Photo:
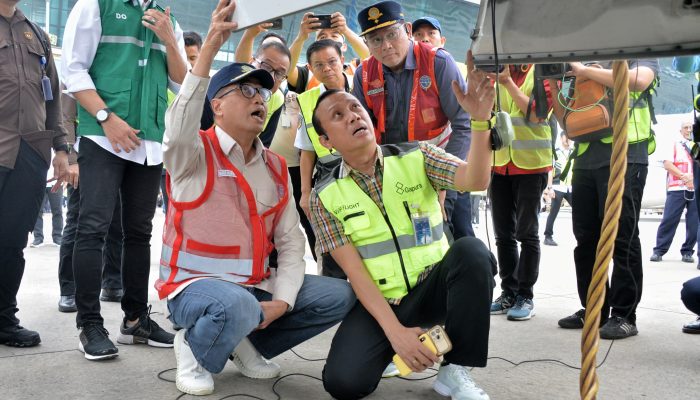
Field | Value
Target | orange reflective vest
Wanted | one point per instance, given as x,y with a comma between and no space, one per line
220,234
426,120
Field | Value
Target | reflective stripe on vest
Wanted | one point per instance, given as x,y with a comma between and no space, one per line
130,40
426,119
384,237
307,104
532,144
388,246
221,234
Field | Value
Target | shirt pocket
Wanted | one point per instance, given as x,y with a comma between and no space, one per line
265,199
8,66
33,53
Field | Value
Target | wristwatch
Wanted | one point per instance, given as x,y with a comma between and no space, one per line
102,115
64,147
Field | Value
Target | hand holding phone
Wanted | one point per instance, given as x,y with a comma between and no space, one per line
324,21
435,340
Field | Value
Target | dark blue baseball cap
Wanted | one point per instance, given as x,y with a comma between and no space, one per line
235,73
433,22
379,15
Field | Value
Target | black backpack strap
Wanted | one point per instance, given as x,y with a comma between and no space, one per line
42,38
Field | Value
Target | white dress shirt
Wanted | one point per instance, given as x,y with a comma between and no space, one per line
81,37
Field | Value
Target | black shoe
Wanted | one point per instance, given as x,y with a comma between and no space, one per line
67,304
146,331
573,321
692,327
687,258
618,328
655,257
548,241
17,336
95,343
113,295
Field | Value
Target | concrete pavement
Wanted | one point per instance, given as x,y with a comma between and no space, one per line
660,363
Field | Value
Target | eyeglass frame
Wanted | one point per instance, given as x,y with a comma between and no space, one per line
275,74
395,28
257,90
332,63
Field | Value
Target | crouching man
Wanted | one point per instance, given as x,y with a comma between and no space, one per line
229,207
379,216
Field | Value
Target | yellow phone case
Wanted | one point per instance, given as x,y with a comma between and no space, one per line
402,367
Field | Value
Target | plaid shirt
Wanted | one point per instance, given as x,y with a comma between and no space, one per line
440,167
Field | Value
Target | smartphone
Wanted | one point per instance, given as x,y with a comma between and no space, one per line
435,339
325,20
276,24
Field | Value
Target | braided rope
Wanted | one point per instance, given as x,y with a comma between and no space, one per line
588,381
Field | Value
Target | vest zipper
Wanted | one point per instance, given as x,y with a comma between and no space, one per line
398,250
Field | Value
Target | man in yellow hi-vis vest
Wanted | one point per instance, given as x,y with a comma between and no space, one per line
379,216
590,181
520,177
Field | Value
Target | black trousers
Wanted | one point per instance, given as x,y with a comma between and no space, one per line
21,195
457,293
515,205
461,215
111,252
554,211
590,187
103,176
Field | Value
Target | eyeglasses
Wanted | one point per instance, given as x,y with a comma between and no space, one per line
278,75
331,64
392,35
249,91
688,127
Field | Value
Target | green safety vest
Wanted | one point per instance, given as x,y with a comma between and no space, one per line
532,143
275,103
384,238
130,71
638,124
307,104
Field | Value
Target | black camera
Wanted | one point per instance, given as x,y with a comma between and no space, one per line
551,71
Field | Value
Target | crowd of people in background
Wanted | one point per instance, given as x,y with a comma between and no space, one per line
370,162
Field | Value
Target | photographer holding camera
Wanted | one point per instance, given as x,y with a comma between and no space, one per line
592,170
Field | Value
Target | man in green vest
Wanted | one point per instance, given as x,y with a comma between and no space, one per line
378,215
520,177
325,60
591,171
119,57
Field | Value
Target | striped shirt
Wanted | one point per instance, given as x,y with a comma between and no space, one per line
440,167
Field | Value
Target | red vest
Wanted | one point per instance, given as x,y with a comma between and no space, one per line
220,234
684,162
426,120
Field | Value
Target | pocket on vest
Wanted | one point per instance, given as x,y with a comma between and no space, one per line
116,93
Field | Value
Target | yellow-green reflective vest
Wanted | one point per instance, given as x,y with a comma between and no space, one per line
276,101
385,238
532,144
638,124
307,103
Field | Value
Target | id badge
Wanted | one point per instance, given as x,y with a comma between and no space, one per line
421,229
46,88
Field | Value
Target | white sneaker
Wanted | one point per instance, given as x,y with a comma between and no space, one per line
191,378
456,381
390,371
252,364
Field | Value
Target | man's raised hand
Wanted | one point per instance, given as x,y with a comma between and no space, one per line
479,98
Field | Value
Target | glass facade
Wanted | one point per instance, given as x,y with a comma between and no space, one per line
456,16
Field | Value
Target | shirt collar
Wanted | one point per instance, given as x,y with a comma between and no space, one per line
229,145
140,3
346,169
347,85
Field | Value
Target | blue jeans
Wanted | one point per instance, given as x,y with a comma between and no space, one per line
219,314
